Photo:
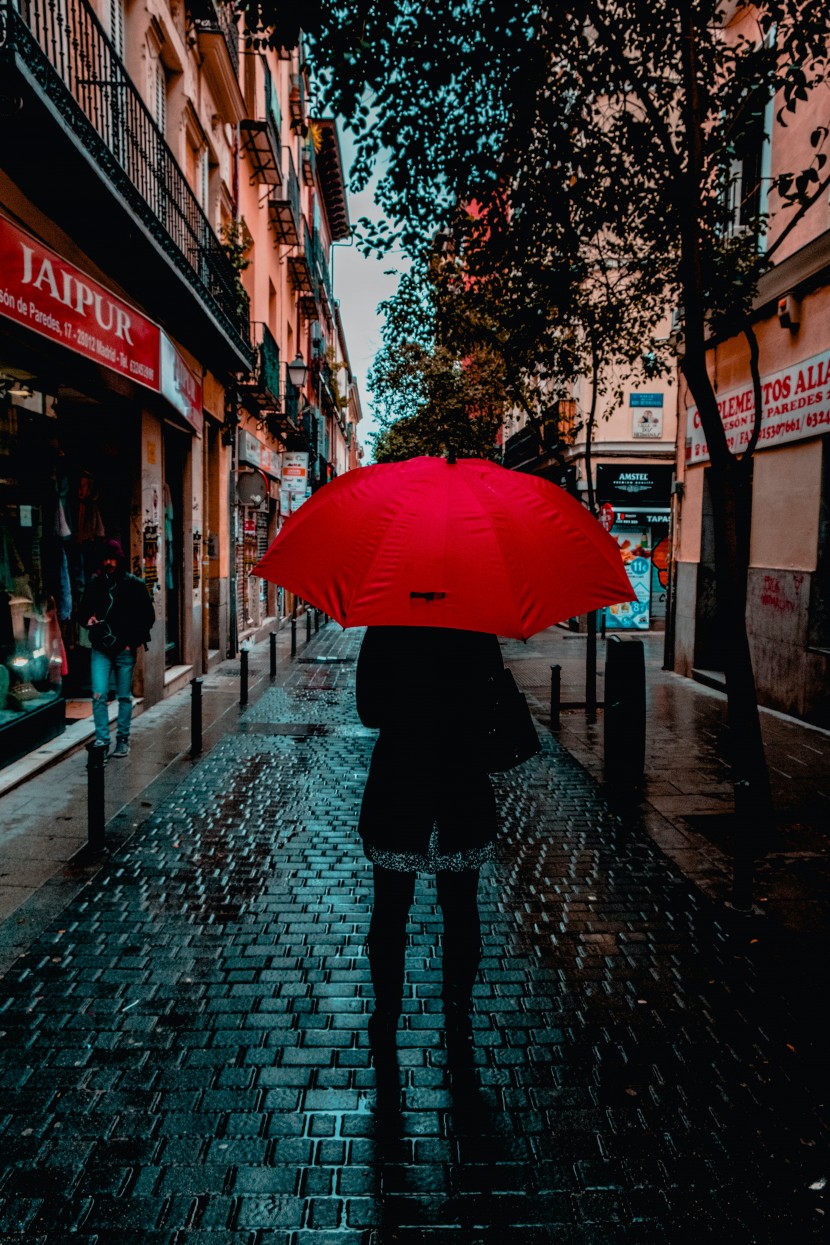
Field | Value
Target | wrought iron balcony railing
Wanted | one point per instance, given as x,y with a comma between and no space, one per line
284,207
74,64
301,272
261,389
310,426
322,263
215,17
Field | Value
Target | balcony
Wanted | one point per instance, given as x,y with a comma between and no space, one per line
309,427
260,391
216,26
309,161
84,110
302,277
284,208
521,449
321,264
260,138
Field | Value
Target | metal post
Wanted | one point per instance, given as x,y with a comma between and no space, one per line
624,725
555,697
96,810
243,676
603,614
293,637
747,825
307,625
316,621
272,639
195,717
591,669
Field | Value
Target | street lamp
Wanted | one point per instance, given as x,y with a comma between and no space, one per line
298,371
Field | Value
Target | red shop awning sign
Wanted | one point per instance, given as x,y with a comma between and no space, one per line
52,297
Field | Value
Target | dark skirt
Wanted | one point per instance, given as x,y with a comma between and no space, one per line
415,785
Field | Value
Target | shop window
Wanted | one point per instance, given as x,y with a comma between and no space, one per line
818,631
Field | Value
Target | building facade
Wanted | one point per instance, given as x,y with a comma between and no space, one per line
788,606
630,463
166,214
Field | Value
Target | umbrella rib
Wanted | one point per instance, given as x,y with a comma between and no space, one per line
486,515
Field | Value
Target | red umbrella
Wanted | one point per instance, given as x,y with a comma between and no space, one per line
432,543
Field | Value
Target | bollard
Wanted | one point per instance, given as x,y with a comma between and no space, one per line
243,676
272,639
316,621
555,697
307,625
591,669
96,811
293,637
195,717
625,711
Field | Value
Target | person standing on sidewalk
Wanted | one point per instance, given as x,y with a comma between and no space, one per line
427,805
118,612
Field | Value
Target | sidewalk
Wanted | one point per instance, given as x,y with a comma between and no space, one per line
687,797
183,1053
43,819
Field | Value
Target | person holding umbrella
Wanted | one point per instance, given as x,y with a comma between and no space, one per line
437,558
428,804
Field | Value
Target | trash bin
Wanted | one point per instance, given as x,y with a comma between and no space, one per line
624,726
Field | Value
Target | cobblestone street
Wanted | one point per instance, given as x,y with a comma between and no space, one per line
184,1051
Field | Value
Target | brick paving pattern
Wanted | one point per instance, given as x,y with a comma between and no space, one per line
183,1055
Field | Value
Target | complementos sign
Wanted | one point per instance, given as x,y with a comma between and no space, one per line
796,405
51,297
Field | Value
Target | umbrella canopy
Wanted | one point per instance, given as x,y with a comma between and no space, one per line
432,543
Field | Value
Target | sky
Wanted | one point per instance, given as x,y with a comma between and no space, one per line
360,284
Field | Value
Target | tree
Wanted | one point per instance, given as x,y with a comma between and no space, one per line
432,397
612,127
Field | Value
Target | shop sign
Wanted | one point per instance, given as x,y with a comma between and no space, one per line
634,484
295,471
180,386
248,448
796,405
52,297
640,517
269,461
635,549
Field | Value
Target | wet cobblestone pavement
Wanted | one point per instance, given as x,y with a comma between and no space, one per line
183,1056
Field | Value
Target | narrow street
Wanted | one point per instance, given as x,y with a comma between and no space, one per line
184,1052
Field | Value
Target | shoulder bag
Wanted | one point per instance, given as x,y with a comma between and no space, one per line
509,734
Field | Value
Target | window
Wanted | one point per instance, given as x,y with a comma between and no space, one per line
204,180
160,97
117,26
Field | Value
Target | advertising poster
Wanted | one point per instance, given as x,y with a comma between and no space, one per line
636,555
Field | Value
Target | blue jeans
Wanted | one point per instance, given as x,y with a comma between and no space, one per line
121,665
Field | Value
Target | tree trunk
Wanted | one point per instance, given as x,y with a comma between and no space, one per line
729,480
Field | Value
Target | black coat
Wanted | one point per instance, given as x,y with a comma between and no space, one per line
424,688
122,600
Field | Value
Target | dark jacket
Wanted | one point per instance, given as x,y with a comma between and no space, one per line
124,604
424,688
